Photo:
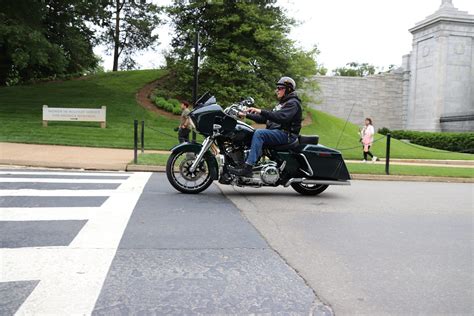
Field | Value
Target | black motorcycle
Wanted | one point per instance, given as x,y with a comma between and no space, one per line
304,164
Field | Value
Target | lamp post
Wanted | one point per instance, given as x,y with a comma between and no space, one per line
196,74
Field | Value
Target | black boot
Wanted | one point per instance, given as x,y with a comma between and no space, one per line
243,171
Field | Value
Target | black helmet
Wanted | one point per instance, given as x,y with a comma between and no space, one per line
288,83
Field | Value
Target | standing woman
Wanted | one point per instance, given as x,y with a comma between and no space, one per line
367,138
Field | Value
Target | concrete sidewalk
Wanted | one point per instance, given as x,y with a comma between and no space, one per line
65,156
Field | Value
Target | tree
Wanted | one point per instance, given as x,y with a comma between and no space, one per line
45,38
354,69
245,48
128,27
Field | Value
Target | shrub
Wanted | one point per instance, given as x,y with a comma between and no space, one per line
175,102
383,131
460,142
170,105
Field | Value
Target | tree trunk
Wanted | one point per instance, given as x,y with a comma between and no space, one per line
5,65
117,34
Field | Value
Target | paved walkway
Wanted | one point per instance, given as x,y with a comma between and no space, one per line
64,156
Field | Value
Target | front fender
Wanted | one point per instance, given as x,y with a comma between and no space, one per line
196,148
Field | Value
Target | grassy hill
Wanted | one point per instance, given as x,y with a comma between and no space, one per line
21,117
329,129
21,112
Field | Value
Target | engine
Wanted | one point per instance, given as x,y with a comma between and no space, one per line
267,173
270,174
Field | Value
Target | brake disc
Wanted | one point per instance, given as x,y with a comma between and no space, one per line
188,175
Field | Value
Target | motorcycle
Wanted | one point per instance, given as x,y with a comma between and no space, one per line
304,164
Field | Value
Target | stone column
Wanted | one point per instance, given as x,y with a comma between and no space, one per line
442,84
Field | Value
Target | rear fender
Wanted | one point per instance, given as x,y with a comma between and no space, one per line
196,148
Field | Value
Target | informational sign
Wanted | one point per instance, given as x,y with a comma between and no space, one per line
74,114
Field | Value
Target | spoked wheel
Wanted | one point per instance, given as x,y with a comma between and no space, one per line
309,189
182,179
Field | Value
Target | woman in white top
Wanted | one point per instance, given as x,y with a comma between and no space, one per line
367,138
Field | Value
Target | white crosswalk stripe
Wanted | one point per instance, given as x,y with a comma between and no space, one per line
39,180
70,276
46,213
55,173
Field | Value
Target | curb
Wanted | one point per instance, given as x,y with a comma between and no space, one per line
382,177
149,168
372,177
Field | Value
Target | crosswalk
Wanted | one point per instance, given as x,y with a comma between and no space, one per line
60,231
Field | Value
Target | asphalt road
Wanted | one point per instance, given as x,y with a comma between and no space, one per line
374,248
127,243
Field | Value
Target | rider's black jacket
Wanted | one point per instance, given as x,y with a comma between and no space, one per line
286,116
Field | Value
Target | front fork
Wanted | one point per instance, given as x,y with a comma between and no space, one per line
205,147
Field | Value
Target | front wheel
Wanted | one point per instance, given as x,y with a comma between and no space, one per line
182,179
309,189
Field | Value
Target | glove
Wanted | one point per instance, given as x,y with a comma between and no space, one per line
176,129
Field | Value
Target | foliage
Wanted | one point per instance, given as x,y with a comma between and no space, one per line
128,27
170,105
383,131
244,49
460,142
46,38
354,69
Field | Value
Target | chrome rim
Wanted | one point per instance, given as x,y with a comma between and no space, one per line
186,179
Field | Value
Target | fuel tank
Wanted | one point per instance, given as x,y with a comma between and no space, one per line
242,133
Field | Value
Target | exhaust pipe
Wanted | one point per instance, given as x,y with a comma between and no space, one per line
309,181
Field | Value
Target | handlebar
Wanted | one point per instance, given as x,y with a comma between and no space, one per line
234,109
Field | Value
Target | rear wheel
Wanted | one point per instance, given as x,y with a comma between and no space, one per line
309,189
182,179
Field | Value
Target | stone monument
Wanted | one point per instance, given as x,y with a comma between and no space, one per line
440,67
433,90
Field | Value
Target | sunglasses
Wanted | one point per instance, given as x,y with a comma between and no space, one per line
281,88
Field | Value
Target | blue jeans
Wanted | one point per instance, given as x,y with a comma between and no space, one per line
269,137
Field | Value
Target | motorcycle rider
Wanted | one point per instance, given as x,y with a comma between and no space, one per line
283,124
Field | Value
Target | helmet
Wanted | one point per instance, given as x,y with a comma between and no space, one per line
287,82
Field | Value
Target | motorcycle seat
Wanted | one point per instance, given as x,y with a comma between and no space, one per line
293,145
309,139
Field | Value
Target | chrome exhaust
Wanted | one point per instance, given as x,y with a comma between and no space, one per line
309,181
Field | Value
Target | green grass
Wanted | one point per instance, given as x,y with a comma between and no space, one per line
358,168
152,159
329,130
21,108
355,168
21,112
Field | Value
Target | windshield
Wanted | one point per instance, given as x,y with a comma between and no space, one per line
205,100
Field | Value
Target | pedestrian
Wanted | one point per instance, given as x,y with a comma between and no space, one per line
367,138
185,123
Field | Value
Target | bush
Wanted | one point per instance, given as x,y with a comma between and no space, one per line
460,142
171,105
383,131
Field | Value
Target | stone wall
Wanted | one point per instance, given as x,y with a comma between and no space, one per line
379,97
